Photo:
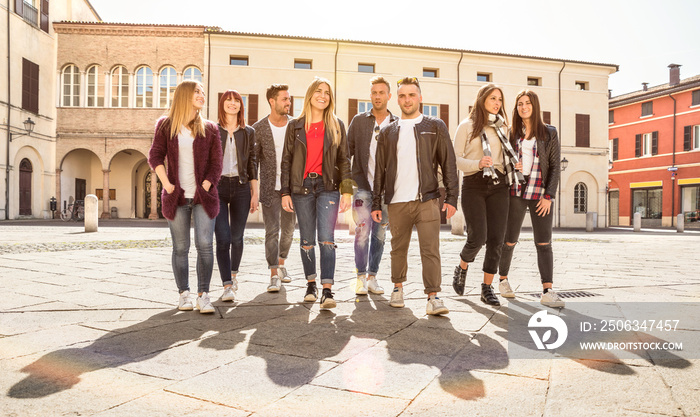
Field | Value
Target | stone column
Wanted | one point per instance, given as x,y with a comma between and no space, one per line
59,203
105,195
154,196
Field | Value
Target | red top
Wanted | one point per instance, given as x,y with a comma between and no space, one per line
314,148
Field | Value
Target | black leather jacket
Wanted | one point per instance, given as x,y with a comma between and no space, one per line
360,134
335,167
434,148
549,153
245,152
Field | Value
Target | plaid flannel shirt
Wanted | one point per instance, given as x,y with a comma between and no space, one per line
533,190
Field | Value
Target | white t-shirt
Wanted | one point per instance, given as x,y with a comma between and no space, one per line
230,162
278,134
406,187
528,156
373,152
188,182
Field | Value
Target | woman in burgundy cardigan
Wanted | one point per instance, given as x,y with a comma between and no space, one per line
191,147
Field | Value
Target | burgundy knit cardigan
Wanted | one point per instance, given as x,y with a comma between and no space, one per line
207,166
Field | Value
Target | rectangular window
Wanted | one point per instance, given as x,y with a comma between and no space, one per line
534,81
297,106
365,68
611,116
430,73
302,63
30,86
483,77
239,60
696,98
364,106
613,150
583,130
431,110
648,108
690,203
582,85
647,202
696,137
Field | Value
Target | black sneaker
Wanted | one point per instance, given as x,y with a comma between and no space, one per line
311,292
459,278
487,295
327,300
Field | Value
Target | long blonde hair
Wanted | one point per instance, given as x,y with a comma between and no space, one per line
479,116
181,109
330,121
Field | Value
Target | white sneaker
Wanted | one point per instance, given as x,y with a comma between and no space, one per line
275,284
185,304
283,274
229,295
551,299
361,285
234,283
397,297
435,306
505,289
374,287
203,304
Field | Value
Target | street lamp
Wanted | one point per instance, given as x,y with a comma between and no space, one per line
29,128
564,163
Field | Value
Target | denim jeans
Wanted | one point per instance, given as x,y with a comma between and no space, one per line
203,237
234,206
367,250
279,230
317,212
485,208
542,231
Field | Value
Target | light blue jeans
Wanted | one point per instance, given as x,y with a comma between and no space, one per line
368,250
203,241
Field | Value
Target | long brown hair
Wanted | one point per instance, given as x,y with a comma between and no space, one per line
330,120
181,109
478,115
538,128
241,113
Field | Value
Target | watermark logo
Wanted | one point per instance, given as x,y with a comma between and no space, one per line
543,320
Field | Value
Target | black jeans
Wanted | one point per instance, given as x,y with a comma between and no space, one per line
234,206
485,208
541,229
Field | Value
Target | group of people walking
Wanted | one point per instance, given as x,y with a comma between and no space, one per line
300,170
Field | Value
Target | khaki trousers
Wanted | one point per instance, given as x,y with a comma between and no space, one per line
426,218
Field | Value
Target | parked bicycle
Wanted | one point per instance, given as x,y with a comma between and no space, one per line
75,211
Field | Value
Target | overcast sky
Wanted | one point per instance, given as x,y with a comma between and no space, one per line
641,36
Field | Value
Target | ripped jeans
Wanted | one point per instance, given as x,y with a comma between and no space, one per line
317,211
368,250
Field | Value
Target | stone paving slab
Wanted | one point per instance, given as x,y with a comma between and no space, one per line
88,326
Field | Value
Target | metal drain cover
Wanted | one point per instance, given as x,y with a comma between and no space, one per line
569,294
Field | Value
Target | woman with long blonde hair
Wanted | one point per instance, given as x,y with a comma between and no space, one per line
190,146
315,171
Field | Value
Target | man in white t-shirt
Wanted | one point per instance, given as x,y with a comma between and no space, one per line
279,224
362,142
409,152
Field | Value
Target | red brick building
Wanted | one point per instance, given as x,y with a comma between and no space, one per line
654,139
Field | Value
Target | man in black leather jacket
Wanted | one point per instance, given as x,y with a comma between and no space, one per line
409,153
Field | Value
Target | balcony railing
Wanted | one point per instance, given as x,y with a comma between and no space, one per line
30,14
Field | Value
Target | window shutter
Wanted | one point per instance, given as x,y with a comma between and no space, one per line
352,109
547,117
445,115
291,106
420,107
654,143
30,86
18,7
638,145
44,18
583,139
687,138
252,108
614,149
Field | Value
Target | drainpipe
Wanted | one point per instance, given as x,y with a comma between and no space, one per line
459,64
673,183
335,74
560,129
208,67
9,109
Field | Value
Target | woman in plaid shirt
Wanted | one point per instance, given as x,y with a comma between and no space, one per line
537,145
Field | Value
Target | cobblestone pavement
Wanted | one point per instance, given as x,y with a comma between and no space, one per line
88,326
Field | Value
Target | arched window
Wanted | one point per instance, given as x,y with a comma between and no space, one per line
95,96
168,82
192,73
144,87
71,86
580,198
120,87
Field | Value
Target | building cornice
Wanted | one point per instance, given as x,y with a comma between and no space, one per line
119,29
656,92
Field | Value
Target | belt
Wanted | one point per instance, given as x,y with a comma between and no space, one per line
313,175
